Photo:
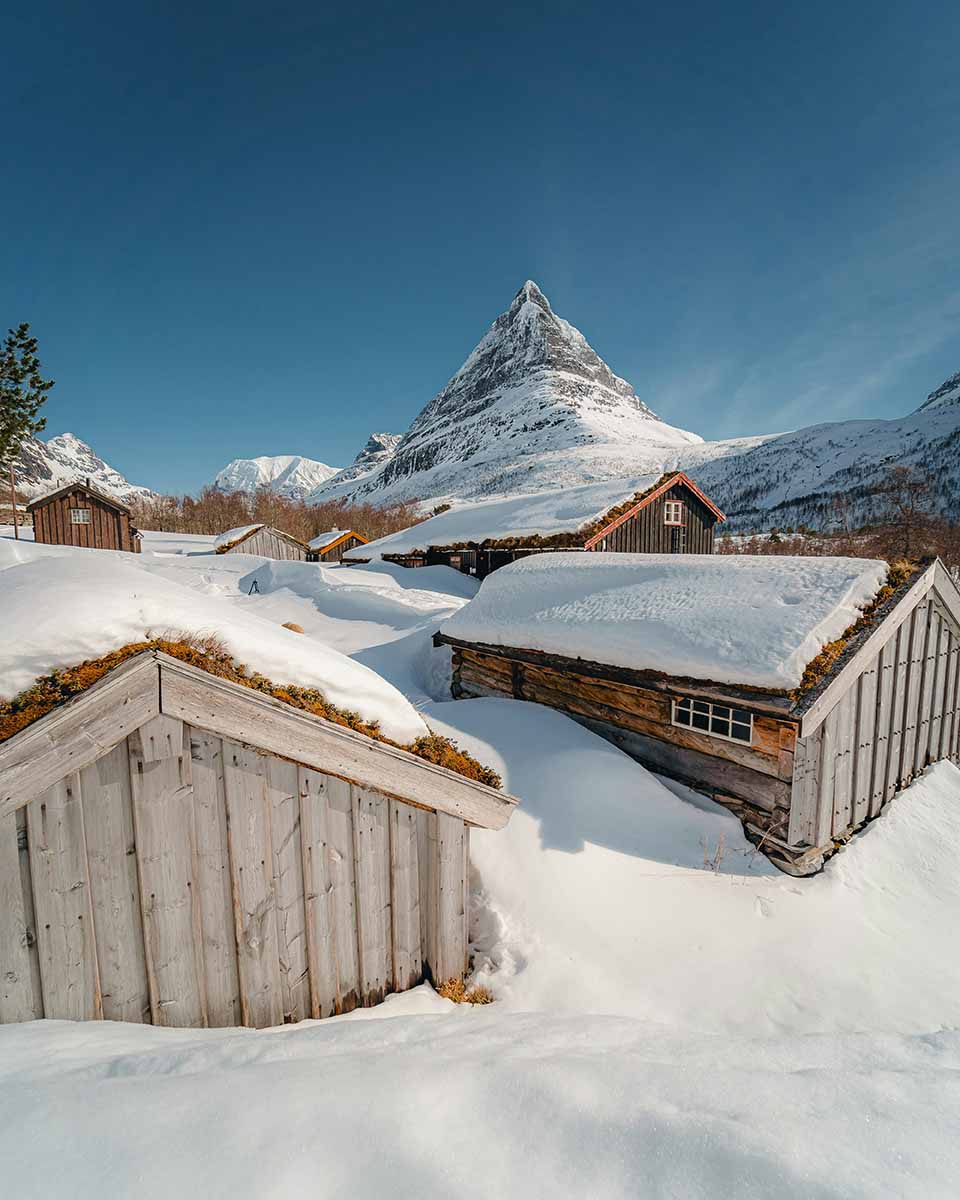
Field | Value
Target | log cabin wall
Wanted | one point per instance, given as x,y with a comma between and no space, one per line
646,533
338,551
898,715
186,879
108,529
270,543
753,780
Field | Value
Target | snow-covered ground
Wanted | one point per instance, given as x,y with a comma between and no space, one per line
674,1017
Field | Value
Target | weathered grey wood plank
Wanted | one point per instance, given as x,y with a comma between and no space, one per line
114,887
259,720
160,777
20,998
61,888
78,733
405,896
938,691
283,795
803,798
451,899
865,746
900,669
843,762
214,881
950,718
371,834
318,872
826,777
931,640
911,699
886,661
428,869
254,902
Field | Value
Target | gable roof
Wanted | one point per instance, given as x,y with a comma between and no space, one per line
77,733
745,620
78,485
232,538
332,538
663,485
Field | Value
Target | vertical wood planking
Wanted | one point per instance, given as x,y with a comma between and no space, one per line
114,887
451,899
254,902
214,883
825,778
65,930
865,745
911,693
371,832
160,777
405,896
803,794
843,762
881,725
900,669
938,694
950,717
283,795
429,893
20,997
931,640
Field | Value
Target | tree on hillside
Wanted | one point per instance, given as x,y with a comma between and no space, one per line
22,391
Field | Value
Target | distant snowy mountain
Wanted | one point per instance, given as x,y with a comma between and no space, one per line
378,450
289,475
533,407
797,477
45,466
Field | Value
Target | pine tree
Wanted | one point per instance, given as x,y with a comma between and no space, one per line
22,391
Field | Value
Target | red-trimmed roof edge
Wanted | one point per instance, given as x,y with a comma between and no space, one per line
672,481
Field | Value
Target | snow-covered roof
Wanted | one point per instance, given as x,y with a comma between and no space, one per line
555,510
323,540
752,620
61,609
230,536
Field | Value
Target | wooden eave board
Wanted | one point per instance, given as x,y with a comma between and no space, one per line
349,533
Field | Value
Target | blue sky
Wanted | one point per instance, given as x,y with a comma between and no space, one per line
243,229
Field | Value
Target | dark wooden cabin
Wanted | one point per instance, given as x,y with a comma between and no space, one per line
334,544
80,515
672,516
262,540
803,769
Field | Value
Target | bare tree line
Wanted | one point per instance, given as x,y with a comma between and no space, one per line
214,511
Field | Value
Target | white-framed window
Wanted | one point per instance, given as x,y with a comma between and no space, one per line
79,516
717,720
673,512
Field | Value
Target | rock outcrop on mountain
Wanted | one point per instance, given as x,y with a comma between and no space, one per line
289,475
45,466
377,451
533,406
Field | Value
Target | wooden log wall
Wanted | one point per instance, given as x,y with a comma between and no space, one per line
646,533
268,544
185,879
109,527
754,780
339,550
901,713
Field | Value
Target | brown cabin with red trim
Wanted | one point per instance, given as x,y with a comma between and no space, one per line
79,515
672,517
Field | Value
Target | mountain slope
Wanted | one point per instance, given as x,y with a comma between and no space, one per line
532,407
289,475
377,452
802,477
45,466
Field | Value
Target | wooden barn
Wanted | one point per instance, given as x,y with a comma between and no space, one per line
80,515
868,694
334,544
176,848
665,514
262,540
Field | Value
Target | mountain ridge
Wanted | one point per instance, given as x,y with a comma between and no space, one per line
45,466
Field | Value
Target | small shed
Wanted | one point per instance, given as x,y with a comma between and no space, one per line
179,849
332,545
80,515
665,514
263,540
802,693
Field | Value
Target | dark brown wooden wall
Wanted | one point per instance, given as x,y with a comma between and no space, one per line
337,553
646,533
109,529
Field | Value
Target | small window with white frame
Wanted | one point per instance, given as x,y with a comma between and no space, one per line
79,516
673,512
717,720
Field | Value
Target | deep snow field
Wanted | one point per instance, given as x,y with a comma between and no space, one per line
674,1017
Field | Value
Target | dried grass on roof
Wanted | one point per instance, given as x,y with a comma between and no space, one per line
211,655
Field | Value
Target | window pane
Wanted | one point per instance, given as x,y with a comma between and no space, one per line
740,732
721,710
701,721
721,726
742,716
701,706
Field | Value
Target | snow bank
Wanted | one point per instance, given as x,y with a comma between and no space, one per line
472,1104
62,608
234,535
555,510
730,618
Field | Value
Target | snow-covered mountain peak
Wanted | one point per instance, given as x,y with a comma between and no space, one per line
289,475
43,467
948,393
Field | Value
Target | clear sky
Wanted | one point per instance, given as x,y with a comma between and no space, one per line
244,229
